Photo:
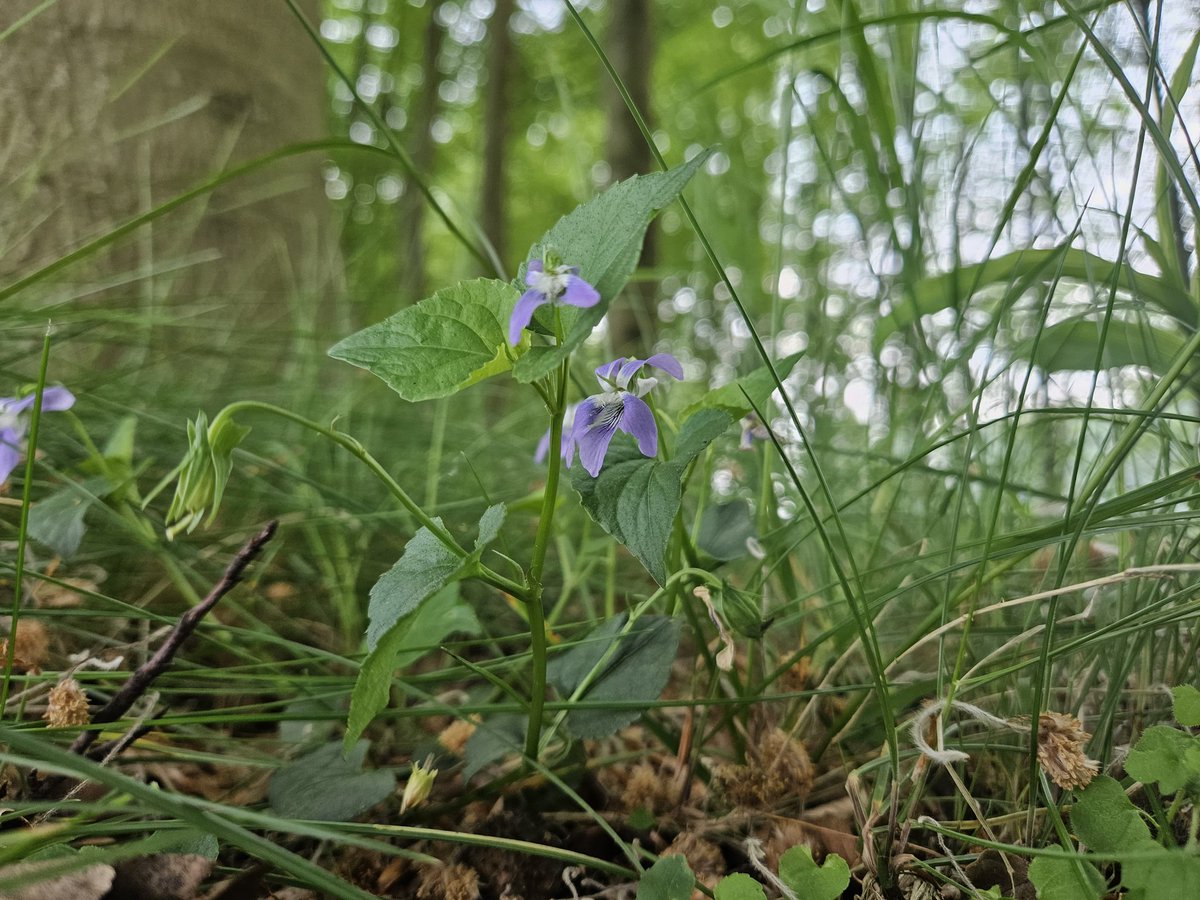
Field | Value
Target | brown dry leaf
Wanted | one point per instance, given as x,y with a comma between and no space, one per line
454,736
788,833
234,785
278,591
989,870
391,874
68,593
164,876
91,883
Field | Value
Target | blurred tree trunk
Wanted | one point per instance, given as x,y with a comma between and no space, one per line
630,48
113,108
412,208
496,114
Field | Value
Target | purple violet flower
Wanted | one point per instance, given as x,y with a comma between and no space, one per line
619,408
753,430
14,423
550,282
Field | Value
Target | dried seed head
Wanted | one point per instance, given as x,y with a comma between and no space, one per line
67,706
779,771
452,882
704,858
650,788
913,887
31,649
1060,743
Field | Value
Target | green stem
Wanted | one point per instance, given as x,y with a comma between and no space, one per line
534,605
482,572
35,422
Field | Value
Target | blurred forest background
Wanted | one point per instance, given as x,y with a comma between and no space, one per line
976,218
862,148
925,198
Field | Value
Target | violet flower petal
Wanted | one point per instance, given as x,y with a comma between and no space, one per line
54,399
607,373
637,420
522,314
627,371
57,399
10,452
580,293
595,426
543,448
667,363
533,270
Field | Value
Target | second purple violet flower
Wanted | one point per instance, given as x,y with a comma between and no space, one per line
619,407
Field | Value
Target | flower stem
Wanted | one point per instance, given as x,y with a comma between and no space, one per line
535,606
482,572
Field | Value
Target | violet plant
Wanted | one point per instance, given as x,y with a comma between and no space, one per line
15,413
481,329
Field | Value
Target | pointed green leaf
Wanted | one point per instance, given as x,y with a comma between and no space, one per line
724,530
668,879
495,738
1066,879
411,638
603,237
758,384
1073,345
418,581
636,670
1105,819
698,431
489,526
326,785
57,521
1162,755
454,339
1023,267
425,567
799,871
635,499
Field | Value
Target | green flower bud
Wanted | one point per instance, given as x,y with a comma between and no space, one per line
743,612
203,473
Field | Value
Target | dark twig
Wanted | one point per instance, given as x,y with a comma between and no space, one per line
109,749
145,674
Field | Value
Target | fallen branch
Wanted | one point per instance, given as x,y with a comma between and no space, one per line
148,671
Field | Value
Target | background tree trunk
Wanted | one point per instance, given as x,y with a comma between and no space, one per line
497,112
412,207
112,108
630,48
